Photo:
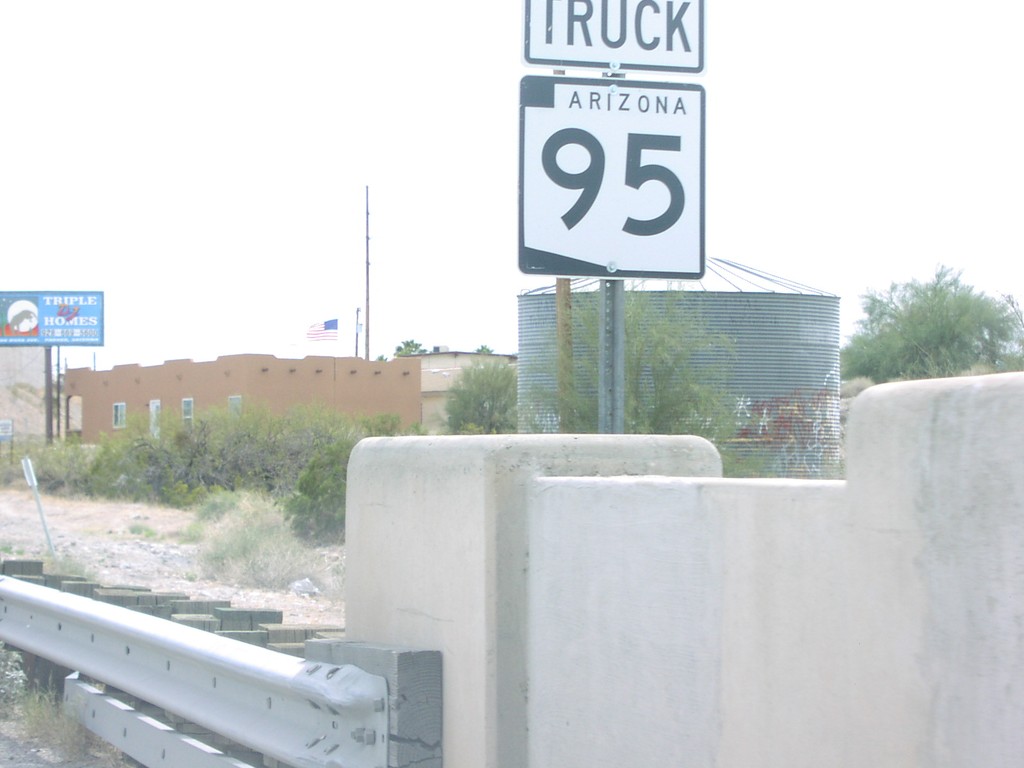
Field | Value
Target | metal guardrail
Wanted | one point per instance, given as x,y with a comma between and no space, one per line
298,712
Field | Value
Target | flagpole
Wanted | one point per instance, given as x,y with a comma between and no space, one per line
366,319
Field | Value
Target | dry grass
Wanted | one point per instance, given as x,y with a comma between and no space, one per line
37,716
66,565
41,719
253,545
853,387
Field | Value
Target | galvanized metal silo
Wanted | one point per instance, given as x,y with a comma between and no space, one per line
780,367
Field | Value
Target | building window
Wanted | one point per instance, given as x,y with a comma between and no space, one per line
120,415
235,405
154,418
187,407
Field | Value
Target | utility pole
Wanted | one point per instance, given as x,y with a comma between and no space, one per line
366,342
358,329
48,372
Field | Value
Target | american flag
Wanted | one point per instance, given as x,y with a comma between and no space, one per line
325,331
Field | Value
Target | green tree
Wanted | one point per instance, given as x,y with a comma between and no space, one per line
1017,314
317,509
483,349
409,347
667,391
933,329
483,400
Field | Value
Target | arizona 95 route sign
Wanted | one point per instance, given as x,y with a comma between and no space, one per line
611,178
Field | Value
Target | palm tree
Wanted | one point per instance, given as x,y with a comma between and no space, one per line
409,347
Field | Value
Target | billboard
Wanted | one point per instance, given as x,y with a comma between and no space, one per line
51,318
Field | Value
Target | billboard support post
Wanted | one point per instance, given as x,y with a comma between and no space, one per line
48,373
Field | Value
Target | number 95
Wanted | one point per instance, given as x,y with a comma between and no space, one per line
590,179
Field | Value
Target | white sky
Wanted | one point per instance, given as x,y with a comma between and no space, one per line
204,162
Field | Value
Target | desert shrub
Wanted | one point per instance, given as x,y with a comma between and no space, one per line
252,451
261,452
10,473
254,546
299,459
381,425
12,680
217,504
59,468
116,471
317,508
10,458
68,565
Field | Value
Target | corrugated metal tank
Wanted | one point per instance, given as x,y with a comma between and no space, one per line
780,366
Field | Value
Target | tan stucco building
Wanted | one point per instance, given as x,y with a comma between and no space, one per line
351,385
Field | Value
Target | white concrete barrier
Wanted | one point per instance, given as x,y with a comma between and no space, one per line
436,542
936,480
674,619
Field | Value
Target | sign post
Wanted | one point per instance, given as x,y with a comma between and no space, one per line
611,375
30,478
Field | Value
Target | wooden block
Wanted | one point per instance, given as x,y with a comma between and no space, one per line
203,621
329,634
296,633
166,597
283,633
163,611
57,581
234,618
22,567
123,597
83,588
292,649
30,578
266,616
251,636
198,606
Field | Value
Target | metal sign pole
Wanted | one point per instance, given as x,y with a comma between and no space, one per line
611,419
30,478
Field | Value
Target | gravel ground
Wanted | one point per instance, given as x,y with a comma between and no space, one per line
19,751
124,543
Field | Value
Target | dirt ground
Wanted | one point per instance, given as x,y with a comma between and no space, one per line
99,537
